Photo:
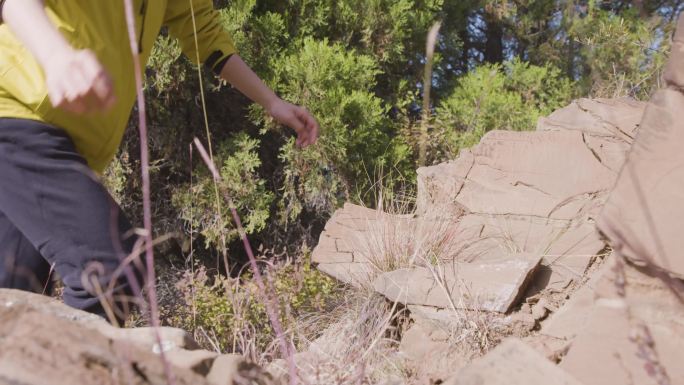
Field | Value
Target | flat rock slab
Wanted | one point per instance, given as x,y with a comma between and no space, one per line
358,243
600,128
567,248
485,237
359,234
547,174
438,185
512,363
355,274
608,126
490,286
618,118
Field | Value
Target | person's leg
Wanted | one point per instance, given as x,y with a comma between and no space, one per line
21,265
50,195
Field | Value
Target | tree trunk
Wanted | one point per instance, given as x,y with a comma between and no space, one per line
494,44
465,55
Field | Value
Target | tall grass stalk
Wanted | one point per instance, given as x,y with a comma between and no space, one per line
147,211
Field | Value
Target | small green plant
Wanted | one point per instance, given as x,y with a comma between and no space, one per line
228,314
239,163
116,177
166,73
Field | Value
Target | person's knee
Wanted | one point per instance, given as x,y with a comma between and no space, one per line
109,285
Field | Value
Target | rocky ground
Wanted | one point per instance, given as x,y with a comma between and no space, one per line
501,267
500,277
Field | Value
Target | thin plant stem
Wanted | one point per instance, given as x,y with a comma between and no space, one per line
219,211
145,168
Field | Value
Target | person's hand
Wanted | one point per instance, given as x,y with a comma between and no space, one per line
78,83
297,118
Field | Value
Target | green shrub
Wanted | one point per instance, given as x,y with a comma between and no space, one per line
238,163
623,54
225,312
509,97
356,135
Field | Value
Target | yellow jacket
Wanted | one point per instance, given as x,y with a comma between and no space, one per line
100,25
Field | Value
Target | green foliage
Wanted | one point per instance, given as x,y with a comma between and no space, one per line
165,73
197,203
116,176
623,54
358,66
336,86
497,97
229,311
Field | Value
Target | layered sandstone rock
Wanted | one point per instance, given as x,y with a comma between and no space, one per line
43,341
515,193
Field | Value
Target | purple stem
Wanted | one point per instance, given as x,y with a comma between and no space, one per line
147,211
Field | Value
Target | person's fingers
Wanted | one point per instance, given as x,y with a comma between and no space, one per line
295,122
92,101
313,129
76,89
75,84
77,106
86,91
302,138
291,119
310,124
56,95
100,82
104,88
301,113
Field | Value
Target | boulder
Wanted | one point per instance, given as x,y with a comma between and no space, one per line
631,338
145,338
199,361
41,338
512,363
37,346
230,369
429,353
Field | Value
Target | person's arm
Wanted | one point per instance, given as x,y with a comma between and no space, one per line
198,28
75,79
237,73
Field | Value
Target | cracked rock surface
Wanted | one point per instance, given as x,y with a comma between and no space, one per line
508,228
525,196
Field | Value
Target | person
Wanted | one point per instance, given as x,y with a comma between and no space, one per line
66,92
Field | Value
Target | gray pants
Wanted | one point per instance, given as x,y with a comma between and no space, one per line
56,217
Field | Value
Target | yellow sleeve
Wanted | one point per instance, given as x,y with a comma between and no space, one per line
214,42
